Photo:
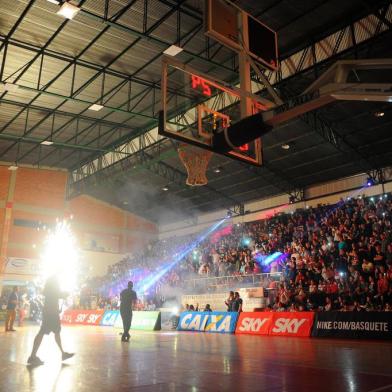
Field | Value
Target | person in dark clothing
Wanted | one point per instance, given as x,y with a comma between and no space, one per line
127,297
50,321
11,310
236,305
229,301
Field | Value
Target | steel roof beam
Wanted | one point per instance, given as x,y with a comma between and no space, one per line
146,91
61,72
152,28
76,61
163,43
307,58
69,114
161,169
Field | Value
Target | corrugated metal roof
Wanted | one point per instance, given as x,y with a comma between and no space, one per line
69,77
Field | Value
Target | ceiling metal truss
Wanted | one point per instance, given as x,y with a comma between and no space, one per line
349,38
56,87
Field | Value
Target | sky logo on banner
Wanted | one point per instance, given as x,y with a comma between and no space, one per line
284,325
250,324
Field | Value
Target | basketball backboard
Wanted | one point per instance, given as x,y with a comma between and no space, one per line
224,23
196,106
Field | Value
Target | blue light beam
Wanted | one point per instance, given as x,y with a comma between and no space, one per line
148,282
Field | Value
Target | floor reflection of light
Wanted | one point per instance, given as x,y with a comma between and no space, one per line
350,380
226,365
175,343
53,375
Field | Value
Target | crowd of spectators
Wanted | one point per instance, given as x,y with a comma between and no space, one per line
333,257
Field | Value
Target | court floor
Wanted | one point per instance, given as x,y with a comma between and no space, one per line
186,361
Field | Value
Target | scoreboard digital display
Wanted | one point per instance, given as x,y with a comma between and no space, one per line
202,85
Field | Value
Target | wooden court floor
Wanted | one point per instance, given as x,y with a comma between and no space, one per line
185,361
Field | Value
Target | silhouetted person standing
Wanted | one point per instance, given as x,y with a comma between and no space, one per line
127,297
11,310
50,321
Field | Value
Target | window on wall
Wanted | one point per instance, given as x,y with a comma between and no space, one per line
100,242
33,224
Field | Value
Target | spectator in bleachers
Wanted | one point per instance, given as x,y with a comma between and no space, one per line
229,301
342,252
236,305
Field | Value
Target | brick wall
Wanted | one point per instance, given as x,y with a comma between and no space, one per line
39,196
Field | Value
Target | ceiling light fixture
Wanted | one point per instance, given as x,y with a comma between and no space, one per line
285,146
57,2
217,169
95,107
68,10
46,142
379,114
173,50
165,188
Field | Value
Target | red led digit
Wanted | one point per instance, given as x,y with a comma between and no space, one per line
195,81
206,88
198,82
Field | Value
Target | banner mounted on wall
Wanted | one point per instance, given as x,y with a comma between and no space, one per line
275,323
357,325
254,323
292,324
221,322
85,317
110,317
142,321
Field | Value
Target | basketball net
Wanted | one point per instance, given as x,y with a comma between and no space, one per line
196,162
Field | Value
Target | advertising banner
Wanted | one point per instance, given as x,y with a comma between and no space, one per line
21,266
353,325
275,323
109,318
254,323
292,323
142,321
85,317
221,322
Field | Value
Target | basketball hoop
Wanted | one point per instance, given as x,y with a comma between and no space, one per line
196,162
